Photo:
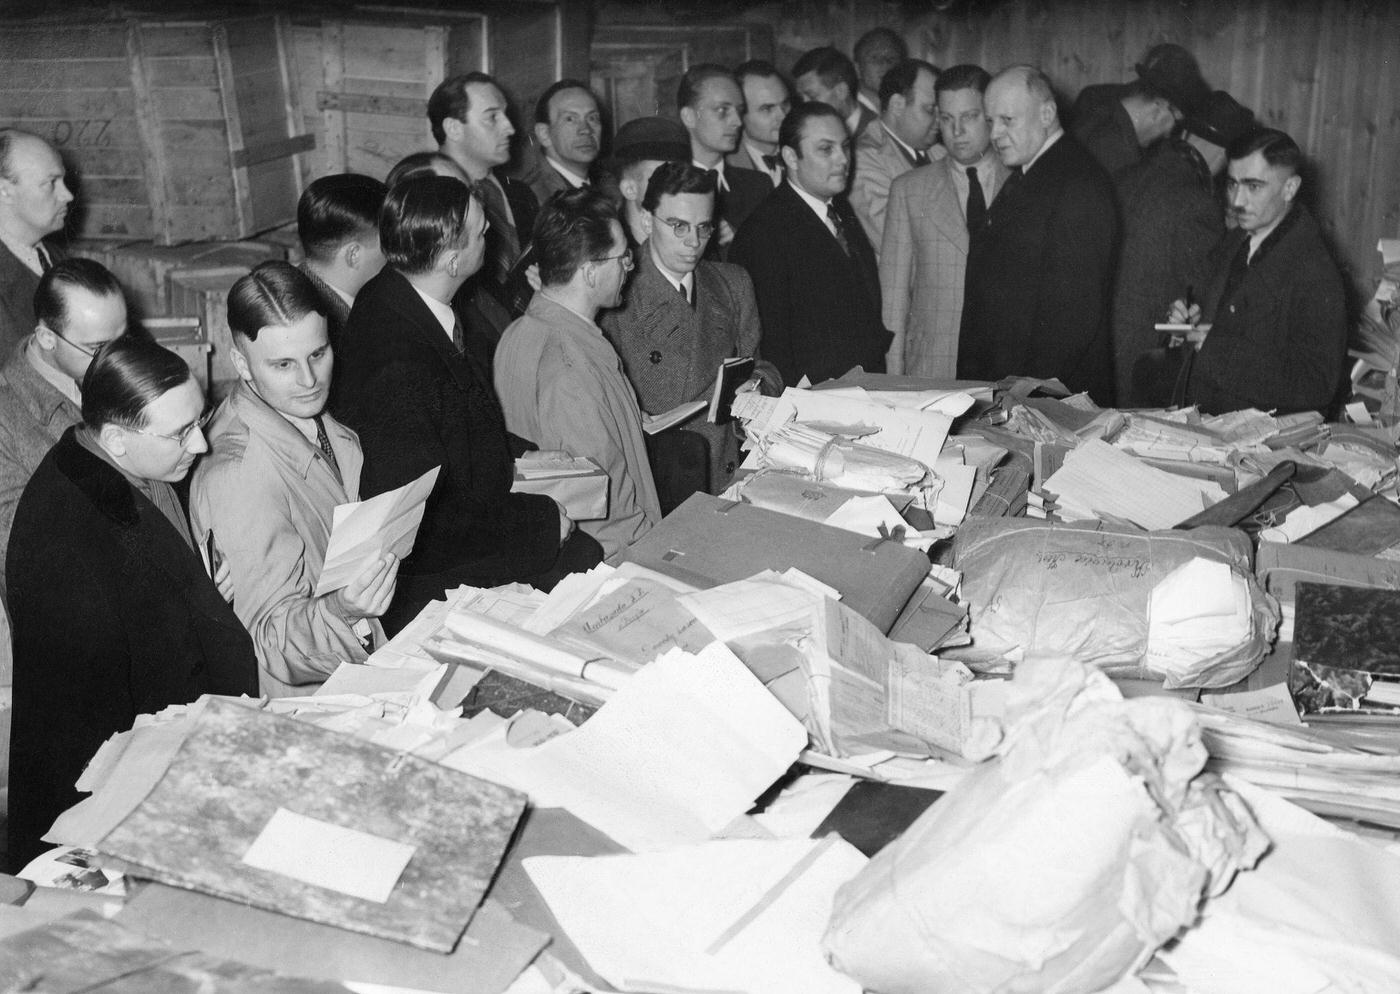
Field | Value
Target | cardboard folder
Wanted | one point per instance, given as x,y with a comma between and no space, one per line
708,541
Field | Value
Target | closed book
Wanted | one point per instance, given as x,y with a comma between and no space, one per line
733,373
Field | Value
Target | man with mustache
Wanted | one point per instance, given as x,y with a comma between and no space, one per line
34,203
712,110
1275,300
568,129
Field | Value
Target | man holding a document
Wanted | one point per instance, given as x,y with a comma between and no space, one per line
264,498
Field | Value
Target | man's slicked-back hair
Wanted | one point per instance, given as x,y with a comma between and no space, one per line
449,99
963,77
274,294
542,104
1276,146
887,35
51,297
758,69
337,209
673,178
9,137
902,77
694,80
126,376
791,130
422,216
573,227
831,67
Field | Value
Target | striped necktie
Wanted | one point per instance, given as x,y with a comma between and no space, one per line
324,441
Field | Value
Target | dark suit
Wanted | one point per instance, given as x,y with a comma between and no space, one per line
17,286
1171,220
113,616
1039,276
496,295
747,189
417,403
337,310
1279,339
671,349
819,307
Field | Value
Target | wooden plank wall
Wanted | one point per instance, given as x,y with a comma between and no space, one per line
1325,71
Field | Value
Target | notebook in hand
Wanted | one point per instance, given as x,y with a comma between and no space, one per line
733,373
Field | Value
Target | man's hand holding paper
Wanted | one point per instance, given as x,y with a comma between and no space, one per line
364,532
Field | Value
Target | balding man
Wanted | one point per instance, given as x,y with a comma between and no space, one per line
1040,269
900,140
34,202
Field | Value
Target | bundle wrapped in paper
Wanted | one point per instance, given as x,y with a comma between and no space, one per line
1061,865
832,459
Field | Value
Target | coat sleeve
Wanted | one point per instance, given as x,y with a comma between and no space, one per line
299,639
471,512
870,192
1071,304
897,274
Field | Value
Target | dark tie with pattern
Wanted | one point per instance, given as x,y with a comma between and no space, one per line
685,294
840,228
324,441
459,339
976,200
45,263
507,243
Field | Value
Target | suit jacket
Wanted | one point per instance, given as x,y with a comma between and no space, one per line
17,286
417,403
671,349
269,495
923,265
1101,124
819,307
1171,221
747,189
741,159
494,297
1039,277
33,416
879,161
544,182
1279,341
562,387
337,310
113,616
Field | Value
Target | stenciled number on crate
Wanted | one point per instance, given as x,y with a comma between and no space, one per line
91,132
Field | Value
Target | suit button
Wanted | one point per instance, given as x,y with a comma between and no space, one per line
655,357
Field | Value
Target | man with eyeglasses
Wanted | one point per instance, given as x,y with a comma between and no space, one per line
560,381
681,315
114,613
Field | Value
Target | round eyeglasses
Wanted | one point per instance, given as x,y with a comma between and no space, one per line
682,229
183,435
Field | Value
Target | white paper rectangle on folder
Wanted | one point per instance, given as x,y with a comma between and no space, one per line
332,856
729,915
363,531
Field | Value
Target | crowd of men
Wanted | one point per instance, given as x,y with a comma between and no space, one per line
877,213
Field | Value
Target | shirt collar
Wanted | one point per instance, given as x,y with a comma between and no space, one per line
913,155
818,205
853,122
675,279
574,180
65,385
559,303
1059,133
444,313
868,102
27,254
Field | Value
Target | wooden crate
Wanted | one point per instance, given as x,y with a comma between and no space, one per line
203,293
365,80
174,131
144,269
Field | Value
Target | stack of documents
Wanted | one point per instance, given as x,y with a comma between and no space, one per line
1099,481
577,483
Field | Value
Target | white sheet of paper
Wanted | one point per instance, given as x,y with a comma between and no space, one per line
675,755
648,922
1098,479
363,531
341,859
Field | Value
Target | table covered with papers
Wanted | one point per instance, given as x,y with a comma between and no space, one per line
967,687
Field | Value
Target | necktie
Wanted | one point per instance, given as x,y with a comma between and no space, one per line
324,441
45,263
459,340
976,201
720,183
505,242
840,228
920,159
685,294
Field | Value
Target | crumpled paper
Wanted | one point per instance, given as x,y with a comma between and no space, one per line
1059,866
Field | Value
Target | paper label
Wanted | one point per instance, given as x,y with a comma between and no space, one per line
929,699
331,856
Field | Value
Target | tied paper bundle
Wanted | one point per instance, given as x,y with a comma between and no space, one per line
1061,865
830,459
1113,597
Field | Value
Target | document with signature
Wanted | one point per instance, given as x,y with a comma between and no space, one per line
362,531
